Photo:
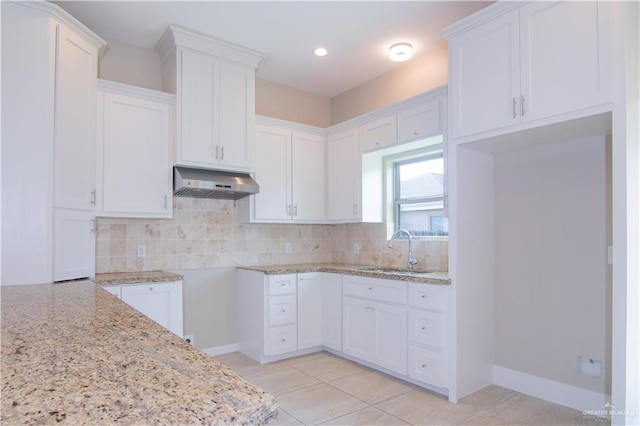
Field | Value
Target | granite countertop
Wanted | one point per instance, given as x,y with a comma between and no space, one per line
425,277
119,278
72,352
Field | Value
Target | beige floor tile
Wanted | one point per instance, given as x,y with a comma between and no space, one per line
319,403
487,398
281,379
421,407
366,416
527,410
237,361
327,367
284,419
371,386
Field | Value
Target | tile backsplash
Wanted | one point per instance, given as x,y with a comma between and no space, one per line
205,234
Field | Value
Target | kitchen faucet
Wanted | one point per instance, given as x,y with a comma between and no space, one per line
410,261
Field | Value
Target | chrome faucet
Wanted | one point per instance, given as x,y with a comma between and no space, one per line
410,261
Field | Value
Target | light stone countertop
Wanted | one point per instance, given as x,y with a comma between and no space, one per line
119,278
425,277
74,353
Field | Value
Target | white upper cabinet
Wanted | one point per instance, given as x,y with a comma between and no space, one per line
134,145
512,64
421,121
379,133
343,176
214,82
291,173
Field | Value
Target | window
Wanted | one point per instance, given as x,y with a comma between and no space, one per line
418,194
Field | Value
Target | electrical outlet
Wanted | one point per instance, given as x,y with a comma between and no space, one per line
589,367
356,248
190,339
142,250
288,248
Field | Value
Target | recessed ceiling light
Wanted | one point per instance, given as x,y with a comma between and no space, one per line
400,52
320,51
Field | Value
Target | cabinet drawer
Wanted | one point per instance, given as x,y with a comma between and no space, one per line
282,284
426,296
425,328
376,289
282,340
427,366
282,310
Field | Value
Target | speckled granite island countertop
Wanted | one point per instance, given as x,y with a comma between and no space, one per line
418,276
73,353
119,278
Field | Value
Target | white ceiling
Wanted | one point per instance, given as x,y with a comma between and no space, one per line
357,34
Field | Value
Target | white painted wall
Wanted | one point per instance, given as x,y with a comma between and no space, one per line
550,261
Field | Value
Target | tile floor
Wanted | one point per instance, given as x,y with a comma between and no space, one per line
325,389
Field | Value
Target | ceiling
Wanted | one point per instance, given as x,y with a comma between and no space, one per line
356,34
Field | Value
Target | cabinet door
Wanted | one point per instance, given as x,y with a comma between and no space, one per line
236,116
198,101
73,244
421,121
390,348
309,310
308,177
273,173
75,122
134,146
162,302
357,330
343,190
332,311
379,133
485,77
564,61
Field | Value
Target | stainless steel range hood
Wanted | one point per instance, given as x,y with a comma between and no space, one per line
202,183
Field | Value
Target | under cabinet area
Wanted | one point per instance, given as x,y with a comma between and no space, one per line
134,145
160,301
512,64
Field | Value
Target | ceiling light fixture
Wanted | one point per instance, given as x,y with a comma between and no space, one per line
400,52
320,51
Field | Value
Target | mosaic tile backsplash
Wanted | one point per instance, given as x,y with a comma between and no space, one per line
206,234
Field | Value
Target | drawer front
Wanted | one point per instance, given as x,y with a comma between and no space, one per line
282,284
282,310
427,366
282,339
425,328
426,296
376,289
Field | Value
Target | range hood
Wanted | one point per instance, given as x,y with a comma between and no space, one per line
202,183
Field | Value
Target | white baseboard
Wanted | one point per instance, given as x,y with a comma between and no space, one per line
549,390
220,350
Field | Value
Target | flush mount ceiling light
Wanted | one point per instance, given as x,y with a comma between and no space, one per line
400,52
320,51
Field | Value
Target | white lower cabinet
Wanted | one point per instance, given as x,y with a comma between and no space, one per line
162,302
426,334
397,326
373,330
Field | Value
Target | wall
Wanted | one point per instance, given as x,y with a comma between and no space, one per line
132,65
550,261
286,103
417,76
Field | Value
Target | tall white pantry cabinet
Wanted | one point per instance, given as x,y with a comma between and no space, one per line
49,72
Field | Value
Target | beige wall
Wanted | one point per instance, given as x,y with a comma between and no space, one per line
132,65
286,103
417,76
551,275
